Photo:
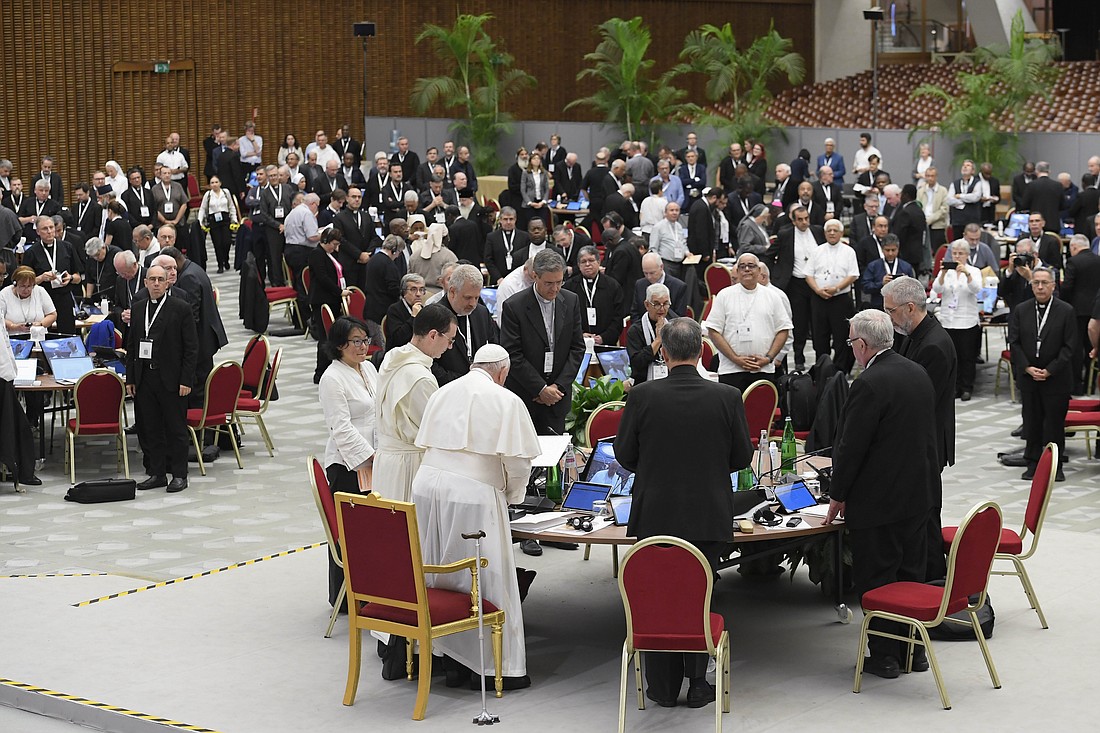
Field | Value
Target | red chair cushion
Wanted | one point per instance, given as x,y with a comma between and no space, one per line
1084,405
445,606
246,394
248,405
1006,355
194,418
1010,542
1078,419
681,642
280,293
109,428
915,600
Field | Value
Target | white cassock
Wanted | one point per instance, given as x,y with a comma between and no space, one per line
405,383
479,442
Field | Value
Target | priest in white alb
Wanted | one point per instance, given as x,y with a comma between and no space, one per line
478,443
405,383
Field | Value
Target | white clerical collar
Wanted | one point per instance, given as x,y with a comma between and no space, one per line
541,299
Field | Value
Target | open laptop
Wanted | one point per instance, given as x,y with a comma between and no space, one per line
582,495
603,469
615,363
21,348
620,509
68,359
794,497
1017,225
489,298
64,347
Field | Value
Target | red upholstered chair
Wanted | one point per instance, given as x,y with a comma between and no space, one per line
1085,426
219,409
603,422
253,408
761,400
327,318
1011,546
194,192
355,303
666,585
384,576
118,339
706,308
717,277
937,261
98,396
306,278
922,606
623,333
709,351
254,364
285,296
326,507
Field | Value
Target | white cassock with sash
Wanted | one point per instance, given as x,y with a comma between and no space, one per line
479,442
405,383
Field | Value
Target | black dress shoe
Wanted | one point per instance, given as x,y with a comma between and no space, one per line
1060,476
920,659
562,545
153,482
177,484
31,481
965,397
1014,459
663,703
1028,474
507,683
700,693
885,667
530,547
525,578
1018,432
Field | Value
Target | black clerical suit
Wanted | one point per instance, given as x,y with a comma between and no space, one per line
523,333
60,257
383,285
1044,195
358,236
886,470
1048,247
31,206
568,181
466,240
498,246
1051,347
124,294
909,225
161,413
398,329
623,263
604,296
474,331
930,346
276,200
680,415
1079,289
231,172
87,216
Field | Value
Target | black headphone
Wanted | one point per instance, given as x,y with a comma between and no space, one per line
582,523
766,517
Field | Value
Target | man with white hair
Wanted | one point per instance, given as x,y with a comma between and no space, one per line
568,178
749,325
653,271
35,206
833,160
668,240
478,443
886,475
101,275
475,326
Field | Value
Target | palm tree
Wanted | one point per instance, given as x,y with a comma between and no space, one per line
627,93
482,76
739,77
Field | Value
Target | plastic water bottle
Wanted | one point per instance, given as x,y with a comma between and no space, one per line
788,448
773,455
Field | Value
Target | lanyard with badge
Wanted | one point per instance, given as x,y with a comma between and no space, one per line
548,357
280,211
169,205
590,311
658,369
508,243
143,208
468,338
744,330
145,347
1039,324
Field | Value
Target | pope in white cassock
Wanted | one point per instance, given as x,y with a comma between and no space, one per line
478,443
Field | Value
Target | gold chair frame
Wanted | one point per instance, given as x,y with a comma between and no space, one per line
332,543
231,418
921,627
424,632
121,457
1005,365
720,652
272,373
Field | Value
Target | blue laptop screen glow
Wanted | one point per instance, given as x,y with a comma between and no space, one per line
21,348
64,347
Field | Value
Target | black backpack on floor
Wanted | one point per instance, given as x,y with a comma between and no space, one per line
963,632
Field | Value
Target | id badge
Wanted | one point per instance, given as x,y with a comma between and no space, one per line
169,207
218,216
144,212
279,212
660,371
508,262
548,362
145,349
440,217
829,207
744,333
550,168
591,315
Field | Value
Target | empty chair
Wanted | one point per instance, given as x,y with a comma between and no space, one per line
219,408
98,398
326,507
253,408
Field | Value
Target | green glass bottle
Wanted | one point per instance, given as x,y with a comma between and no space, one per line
788,449
553,484
745,479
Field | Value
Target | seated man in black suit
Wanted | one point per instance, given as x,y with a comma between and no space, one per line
600,296
398,326
653,271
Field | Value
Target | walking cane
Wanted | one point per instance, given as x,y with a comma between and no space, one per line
485,718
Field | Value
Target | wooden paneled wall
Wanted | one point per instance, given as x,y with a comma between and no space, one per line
64,90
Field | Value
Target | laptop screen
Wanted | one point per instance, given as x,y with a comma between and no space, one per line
64,347
21,348
583,494
794,497
71,368
602,468
489,298
1017,225
615,363
620,506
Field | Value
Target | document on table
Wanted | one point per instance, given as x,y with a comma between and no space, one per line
553,446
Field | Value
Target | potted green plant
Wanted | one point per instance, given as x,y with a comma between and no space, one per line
585,402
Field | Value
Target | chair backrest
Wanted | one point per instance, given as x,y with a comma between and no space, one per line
707,356
326,505
937,261
98,397
355,303
194,194
306,277
761,399
327,318
717,277
380,544
223,387
254,362
972,556
706,308
272,375
118,339
1041,487
603,422
666,583
624,332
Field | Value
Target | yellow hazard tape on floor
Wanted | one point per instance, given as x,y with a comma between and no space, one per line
104,706
57,575
173,581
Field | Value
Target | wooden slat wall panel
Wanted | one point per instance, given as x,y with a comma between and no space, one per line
297,63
